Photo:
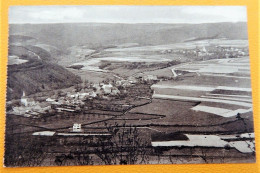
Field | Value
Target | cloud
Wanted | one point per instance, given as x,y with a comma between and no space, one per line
126,14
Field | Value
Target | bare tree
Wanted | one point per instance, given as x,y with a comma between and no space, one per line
125,146
24,151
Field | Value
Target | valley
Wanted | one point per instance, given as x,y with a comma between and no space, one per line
129,100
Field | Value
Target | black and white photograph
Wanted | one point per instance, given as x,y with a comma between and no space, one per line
127,85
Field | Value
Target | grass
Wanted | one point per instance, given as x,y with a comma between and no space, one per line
208,81
178,112
179,92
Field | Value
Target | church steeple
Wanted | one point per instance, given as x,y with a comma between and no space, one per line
23,94
24,100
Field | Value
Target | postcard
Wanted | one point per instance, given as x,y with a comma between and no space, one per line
126,85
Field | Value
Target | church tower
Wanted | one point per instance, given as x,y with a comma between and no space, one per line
24,101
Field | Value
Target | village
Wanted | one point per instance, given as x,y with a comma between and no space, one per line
78,98
210,52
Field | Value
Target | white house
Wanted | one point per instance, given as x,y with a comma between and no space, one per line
50,100
76,127
149,77
92,94
204,49
132,79
107,88
115,91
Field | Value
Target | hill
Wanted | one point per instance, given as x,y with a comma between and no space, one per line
36,74
65,35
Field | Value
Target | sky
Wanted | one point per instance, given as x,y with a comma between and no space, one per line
127,14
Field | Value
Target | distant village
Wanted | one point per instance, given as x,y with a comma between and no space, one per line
211,52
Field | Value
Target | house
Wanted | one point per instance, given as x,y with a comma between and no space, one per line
50,100
82,95
18,111
61,109
132,80
124,82
92,94
115,91
149,78
119,82
76,127
204,49
96,86
107,88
